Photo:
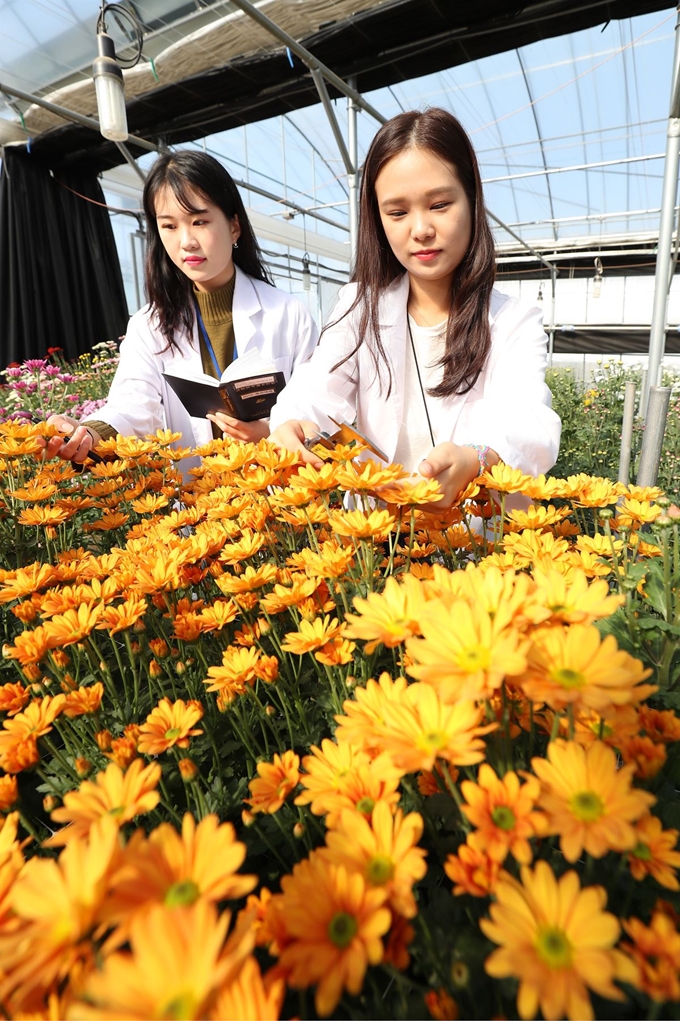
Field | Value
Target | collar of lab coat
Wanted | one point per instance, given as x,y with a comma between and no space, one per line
245,308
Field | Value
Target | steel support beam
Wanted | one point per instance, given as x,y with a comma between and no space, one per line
132,161
307,57
353,174
332,119
664,255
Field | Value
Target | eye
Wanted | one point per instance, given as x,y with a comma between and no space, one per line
200,223
396,214
441,205
167,226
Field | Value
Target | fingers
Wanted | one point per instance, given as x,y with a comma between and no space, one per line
247,432
73,443
292,435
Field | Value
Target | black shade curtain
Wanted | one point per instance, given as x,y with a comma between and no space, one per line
60,279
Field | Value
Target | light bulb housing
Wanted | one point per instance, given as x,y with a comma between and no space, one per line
110,90
306,275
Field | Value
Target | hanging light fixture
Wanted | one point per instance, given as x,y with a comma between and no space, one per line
108,76
539,296
306,275
597,279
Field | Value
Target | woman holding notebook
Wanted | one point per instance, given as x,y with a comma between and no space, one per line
210,301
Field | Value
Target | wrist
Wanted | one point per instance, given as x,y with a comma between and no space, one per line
483,455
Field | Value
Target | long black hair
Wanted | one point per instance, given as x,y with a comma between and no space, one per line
170,291
468,334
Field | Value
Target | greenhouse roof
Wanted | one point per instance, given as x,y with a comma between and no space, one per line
566,101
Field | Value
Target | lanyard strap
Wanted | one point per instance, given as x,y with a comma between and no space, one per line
420,382
208,344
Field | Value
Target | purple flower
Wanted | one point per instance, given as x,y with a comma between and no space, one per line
14,373
35,364
52,370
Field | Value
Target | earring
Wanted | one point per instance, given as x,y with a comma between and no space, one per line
235,245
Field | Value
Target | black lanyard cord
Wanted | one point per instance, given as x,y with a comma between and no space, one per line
420,382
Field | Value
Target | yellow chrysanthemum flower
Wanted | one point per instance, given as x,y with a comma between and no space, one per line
589,801
359,525
381,849
570,598
576,666
389,617
557,940
274,782
112,793
334,923
168,725
463,653
312,634
503,813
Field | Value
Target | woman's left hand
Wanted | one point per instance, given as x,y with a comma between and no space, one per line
453,467
248,432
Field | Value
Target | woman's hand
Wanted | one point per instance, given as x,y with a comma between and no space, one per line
291,435
453,467
248,432
76,442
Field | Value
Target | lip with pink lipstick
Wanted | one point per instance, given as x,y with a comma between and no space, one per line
193,260
427,254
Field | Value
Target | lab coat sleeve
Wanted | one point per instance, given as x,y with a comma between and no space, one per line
134,404
317,390
514,415
305,337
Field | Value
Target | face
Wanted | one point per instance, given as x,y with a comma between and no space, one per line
425,214
199,243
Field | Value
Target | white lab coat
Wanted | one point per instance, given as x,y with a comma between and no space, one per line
509,408
140,401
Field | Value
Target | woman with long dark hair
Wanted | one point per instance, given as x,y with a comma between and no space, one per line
210,300
441,371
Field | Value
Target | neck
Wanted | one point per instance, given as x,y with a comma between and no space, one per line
431,297
208,286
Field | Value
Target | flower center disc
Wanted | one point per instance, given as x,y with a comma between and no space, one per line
553,947
474,659
587,806
503,817
342,929
380,870
642,851
568,678
171,734
365,805
182,893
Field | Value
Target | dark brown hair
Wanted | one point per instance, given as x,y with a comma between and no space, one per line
170,292
468,335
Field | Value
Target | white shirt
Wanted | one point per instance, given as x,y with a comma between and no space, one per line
415,441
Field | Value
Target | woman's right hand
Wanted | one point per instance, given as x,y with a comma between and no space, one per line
291,435
76,440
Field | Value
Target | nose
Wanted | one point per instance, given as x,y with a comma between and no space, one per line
186,237
421,226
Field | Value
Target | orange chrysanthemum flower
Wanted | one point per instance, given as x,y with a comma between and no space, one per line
238,669
275,781
334,923
252,578
177,964
29,646
364,714
576,666
655,953
25,581
359,525
654,853
169,724
589,802
503,812
472,871
423,729
463,653
119,618
71,626
311,635
389,617
9,793
113,792
441,1006
557,940
247,996
178,869
56,903
38,516
13,698
647,757
283,596
382,850
84,700
18,738
659,725
571,598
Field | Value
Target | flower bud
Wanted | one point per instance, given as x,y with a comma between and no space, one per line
83,767
188,770
50,802
298,829
103,739
247,817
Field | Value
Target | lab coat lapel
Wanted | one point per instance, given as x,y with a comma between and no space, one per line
394,333
245,308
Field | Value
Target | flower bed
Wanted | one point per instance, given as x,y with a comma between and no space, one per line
264,755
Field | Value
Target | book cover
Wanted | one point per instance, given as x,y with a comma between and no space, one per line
247,390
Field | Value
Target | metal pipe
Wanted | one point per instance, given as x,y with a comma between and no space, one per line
77,118
566,170
132,161
627,431
307,57
652,440
353,174
537,255
332,119
657,338
551,333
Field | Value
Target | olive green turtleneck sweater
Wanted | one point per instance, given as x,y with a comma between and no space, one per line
216,312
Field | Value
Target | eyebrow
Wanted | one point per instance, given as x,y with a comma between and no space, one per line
169,216
428,194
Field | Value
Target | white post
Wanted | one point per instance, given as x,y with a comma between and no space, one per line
627,431
657,339
652,441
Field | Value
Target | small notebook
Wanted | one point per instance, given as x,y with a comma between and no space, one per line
247,389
